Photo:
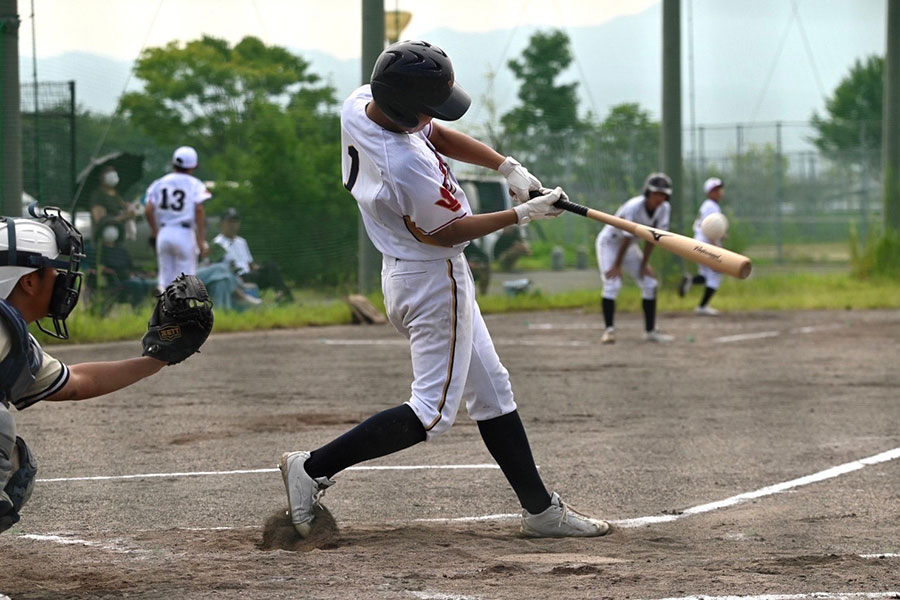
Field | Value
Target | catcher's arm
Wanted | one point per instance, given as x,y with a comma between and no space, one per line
89,380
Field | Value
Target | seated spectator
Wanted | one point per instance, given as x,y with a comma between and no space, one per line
108,207
234,251
121,280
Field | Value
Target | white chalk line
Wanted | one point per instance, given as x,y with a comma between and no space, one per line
497,342
254,471
810,595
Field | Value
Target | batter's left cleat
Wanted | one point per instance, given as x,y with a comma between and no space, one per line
303,491
561,520
657,336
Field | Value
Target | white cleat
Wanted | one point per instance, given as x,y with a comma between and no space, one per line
706,311
303,491
609,336
658,337
561,520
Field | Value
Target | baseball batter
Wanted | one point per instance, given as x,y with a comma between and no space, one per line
39,279
419,218
618,253
714,189
175,214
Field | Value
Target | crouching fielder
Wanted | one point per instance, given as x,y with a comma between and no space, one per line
618,252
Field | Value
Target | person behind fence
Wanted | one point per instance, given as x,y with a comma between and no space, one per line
176,217
709,278
617,252
123,282
108,207
40,279
234,251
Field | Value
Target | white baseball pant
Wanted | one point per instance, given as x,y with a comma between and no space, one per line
631,264
176,253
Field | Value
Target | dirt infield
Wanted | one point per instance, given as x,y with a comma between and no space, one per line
646,435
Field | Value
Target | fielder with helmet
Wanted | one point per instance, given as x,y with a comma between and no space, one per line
40,279
417,215
617,252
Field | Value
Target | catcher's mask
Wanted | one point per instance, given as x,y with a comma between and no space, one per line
42,251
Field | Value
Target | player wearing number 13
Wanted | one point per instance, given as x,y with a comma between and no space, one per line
175,214
419,218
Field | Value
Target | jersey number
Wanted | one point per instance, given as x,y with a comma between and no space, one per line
178,200
354,168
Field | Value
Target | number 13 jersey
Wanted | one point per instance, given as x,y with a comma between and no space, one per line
174,197
404,188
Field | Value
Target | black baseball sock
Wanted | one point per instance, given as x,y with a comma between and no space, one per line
649,314
507,442
387,432
707,296
609,311
698,279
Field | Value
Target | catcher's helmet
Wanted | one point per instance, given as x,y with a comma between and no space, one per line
415,77
27,245
658,182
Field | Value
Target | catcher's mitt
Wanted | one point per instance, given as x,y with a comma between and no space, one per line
181,321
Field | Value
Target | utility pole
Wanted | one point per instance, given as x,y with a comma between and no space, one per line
373,34
671,107
890,138
10,112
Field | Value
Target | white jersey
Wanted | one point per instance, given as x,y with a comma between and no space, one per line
636,210
237,253
174,197
404,188
708,207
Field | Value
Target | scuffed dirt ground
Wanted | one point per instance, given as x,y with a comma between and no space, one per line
624,431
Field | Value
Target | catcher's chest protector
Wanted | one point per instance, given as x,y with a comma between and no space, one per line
19,368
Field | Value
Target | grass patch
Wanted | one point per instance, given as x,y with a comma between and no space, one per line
782,291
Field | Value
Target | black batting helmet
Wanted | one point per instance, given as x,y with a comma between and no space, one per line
415,77
658,182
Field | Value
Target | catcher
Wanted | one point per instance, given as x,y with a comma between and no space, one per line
40,279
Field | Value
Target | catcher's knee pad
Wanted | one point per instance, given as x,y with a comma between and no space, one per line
18,488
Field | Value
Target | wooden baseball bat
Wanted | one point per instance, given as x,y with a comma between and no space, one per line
714,257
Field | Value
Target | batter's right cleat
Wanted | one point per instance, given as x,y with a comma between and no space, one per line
303,491
706,311
609,336
685,286
561,520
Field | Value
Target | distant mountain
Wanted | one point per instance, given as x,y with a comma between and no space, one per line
737,77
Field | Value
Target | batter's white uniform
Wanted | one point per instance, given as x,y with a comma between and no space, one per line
713,277
610,239
174,198
406,193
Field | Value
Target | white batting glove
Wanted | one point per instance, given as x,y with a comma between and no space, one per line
518,178
540,207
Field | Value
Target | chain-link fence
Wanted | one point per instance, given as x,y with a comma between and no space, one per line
48,141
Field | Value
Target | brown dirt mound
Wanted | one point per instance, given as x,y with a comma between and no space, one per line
279,532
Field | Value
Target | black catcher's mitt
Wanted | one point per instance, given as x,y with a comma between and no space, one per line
181,321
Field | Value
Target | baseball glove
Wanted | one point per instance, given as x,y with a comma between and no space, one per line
181,321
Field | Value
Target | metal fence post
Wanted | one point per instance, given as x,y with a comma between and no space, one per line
779,190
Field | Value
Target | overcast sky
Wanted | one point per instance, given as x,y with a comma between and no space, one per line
119,28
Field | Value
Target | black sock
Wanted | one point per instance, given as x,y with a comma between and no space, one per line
707,296
387,432
698,279
609,311
649,314
507,442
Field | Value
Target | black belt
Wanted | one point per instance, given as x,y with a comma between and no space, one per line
185,225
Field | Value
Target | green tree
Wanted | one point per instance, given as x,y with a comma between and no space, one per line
269,132
852,122
540,130
618,155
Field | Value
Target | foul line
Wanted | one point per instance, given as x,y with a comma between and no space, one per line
253,471
711,506
811,595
